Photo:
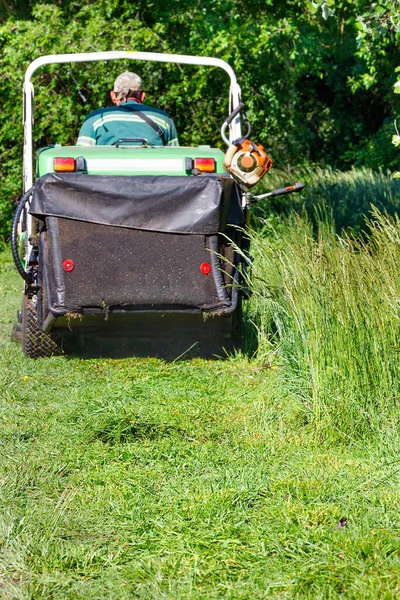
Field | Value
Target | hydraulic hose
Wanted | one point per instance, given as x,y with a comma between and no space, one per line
14,236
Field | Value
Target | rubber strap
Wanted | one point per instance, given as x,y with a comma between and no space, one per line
150,122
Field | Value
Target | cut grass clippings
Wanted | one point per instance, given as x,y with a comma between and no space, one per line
139,478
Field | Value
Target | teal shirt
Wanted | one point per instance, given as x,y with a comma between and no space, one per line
107,125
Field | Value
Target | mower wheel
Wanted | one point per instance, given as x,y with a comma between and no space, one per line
35,342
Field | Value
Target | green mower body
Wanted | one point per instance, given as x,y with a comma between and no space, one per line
129,245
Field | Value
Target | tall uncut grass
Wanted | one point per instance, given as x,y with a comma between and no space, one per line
347,196
327,307
351,195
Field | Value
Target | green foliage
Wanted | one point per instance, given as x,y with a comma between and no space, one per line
396,138
306,79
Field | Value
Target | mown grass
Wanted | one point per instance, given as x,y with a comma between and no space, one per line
140,478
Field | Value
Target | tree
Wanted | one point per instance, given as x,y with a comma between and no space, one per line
317,88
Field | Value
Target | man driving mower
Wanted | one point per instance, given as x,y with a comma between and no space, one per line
129,118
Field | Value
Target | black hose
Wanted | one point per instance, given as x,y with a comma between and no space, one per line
234,113
230,118
14,236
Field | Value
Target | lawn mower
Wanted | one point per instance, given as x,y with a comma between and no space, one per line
135,243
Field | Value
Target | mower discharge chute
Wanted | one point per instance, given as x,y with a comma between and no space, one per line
131,242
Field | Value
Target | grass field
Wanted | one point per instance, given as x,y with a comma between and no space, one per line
275,476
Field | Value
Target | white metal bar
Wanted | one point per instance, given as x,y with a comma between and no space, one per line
28,94
122,54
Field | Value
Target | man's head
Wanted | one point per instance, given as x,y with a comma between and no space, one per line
127,85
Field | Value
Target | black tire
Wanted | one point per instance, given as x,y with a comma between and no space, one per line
35,342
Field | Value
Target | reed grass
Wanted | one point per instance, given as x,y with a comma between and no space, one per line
328,307
348,197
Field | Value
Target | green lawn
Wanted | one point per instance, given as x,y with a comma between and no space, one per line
139,478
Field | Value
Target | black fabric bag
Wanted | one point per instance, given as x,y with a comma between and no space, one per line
136,242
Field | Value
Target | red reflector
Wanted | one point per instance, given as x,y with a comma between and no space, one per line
64,165
68,265
206,165
205,268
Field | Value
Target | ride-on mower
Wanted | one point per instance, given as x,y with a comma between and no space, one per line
132,242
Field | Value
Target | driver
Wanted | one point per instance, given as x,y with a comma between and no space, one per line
129,118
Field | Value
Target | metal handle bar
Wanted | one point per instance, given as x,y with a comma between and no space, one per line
129,141
234,113
297,187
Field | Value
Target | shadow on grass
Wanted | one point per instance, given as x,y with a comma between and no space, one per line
172,338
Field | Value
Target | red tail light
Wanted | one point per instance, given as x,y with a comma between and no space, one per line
206,165
64,165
